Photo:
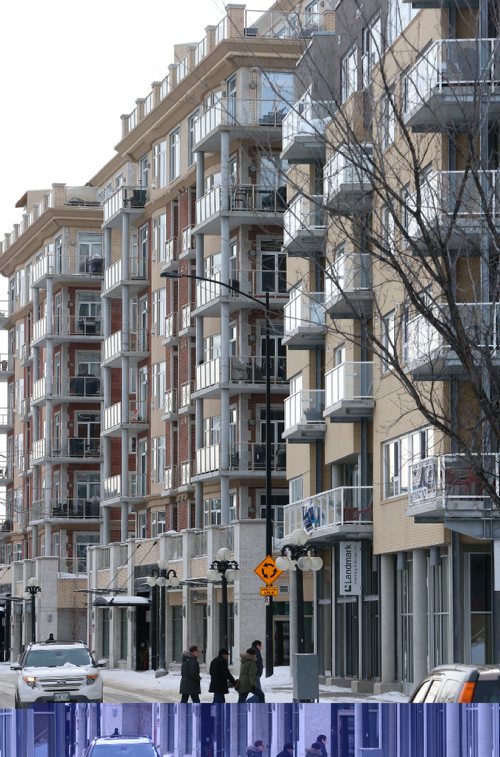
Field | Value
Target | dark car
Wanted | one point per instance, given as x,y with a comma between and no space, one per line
459,683
121,746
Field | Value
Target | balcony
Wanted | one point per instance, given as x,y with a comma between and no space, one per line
305,326
134,418
188,246
349,392
126,199
81,388
184,398
246,204
304,226
65,509
6,367
444,88
429,358
304,422
451,208
347,178
135,279
6,420
303,139
170,406
169,260
342,513
449,489
246,460
64,268
251,282
66,451
67,328
246,375
7,472
120,344
255,119
348,286
112,488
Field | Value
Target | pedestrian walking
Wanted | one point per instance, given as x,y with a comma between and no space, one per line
257,645
321,740
287,750
314,750
115,734
190,676
248,675
219,676
51,639
256,749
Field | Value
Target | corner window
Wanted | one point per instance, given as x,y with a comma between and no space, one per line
348,73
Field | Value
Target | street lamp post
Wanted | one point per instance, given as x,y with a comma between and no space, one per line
224,566
31,591
268,468
298,556
162,578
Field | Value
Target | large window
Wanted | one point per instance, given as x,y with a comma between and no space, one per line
160,236
399,16
89,246
192,118
348,73
279,500
372,43
160,163
398,456
277,96
175,154
158,461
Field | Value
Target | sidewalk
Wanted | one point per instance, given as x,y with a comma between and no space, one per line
277,688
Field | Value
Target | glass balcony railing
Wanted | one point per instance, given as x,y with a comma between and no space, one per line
347,175
246,370
349,382
306,121
340,508
304,407
305,219
125,198
304,312
239,112
119,343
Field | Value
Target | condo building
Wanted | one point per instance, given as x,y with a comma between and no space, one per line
277,208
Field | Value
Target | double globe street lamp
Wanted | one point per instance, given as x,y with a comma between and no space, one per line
225,567
298,556
162,577
30,592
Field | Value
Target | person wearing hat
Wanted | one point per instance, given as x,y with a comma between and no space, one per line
219,676
287,750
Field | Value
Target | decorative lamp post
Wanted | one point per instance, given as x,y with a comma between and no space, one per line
268,468
298,556
161,578
224,566
30,593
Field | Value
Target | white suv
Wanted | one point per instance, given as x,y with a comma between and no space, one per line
58,672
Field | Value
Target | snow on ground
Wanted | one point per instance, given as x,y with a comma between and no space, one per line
278,688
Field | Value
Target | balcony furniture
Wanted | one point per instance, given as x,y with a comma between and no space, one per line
95,266
313,415
240,370
89,326
281,457
76,447
259,455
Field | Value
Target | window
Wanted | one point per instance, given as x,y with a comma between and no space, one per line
296,487
160,236
399,454
158,462
144,171
160,163
278,504
158,522
388,340
372,43
273,266
211,430
89,246
159,384
175,154
277,93
141,525
348,73
212,512
311,15
388,121
211,347
399,16
159,311
405,208
123,633
192,118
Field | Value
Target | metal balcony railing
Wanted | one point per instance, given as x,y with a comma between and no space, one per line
343,506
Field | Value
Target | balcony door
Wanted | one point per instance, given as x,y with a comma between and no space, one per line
273,266
277,351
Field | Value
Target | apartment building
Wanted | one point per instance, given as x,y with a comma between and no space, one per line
138,324
391,458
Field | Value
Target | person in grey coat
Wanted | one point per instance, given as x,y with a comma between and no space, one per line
190,676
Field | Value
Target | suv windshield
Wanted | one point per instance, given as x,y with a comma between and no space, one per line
53,658
487,691
123,750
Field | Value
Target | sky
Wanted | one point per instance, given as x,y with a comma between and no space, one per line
70,70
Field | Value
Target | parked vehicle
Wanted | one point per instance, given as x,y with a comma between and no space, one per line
459,683
56,671
121,746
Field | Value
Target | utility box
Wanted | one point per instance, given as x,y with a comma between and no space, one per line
306,678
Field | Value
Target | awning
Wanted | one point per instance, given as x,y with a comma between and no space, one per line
121,600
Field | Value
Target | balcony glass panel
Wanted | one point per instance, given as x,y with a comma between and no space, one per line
349,381
343,506
304,407
305,310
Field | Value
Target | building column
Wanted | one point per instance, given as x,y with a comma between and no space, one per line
387,621
420,617
224,332
200,252
125,378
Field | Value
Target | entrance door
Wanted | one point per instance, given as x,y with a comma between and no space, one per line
347,622
478,609
281,628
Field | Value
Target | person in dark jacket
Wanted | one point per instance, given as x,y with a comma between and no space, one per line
321,740
190,676
219,676
314,750
259,694
256,750
248,675
287,750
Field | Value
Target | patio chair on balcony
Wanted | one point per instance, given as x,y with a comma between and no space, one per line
259,455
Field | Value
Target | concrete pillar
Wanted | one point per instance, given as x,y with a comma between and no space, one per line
249,609
105,528
387,623
200,248
224,330
420,610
